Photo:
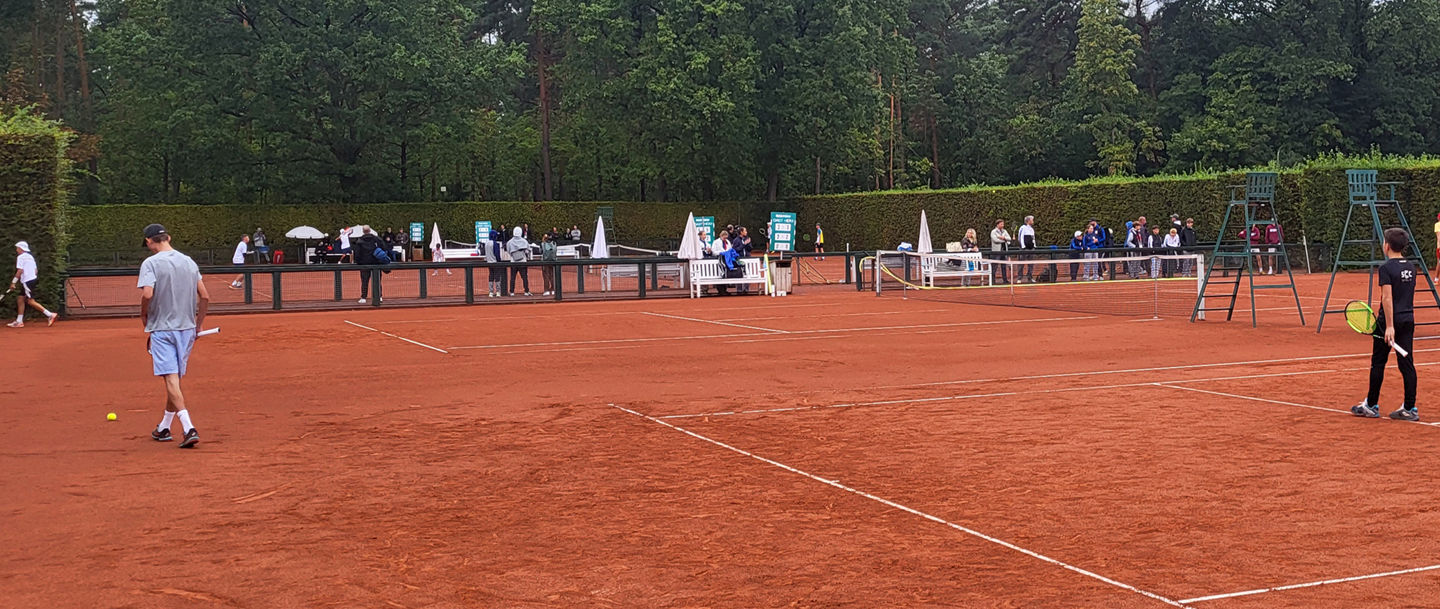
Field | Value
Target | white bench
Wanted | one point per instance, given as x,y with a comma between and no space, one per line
672,272
458,253
965,266
709,272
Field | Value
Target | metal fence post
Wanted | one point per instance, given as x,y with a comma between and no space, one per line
249,289
469,283
424,285
339,292
640,277
558,272
375,287
275,290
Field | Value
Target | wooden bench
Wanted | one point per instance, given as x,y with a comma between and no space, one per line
672,272
964,266
710,272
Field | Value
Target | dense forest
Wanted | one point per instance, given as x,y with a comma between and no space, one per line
398,100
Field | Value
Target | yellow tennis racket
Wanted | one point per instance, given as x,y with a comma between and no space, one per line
1362,319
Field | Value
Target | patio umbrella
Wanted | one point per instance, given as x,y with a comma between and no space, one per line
924,247
690,247
599,249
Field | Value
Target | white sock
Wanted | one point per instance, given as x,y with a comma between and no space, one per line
46,312
166,421
19,319
185,420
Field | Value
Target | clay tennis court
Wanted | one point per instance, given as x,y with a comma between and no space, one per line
829,449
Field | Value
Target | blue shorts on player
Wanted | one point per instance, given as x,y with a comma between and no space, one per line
170,350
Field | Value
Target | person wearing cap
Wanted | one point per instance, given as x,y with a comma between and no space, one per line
238,259
27,280
819,241
519,249
1077,247
173,303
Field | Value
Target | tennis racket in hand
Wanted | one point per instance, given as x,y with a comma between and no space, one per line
1362,319
215,330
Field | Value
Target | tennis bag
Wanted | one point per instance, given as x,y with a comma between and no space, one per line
381,256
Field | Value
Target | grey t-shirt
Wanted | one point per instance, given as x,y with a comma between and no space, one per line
175,278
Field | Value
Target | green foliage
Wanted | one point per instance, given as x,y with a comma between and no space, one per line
33,195
1101,85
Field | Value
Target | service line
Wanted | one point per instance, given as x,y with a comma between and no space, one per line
909,510
413,342
1216,597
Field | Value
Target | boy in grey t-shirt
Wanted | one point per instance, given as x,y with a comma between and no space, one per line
173,302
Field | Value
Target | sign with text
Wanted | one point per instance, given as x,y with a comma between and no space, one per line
417,233
482,231
782,231
706,226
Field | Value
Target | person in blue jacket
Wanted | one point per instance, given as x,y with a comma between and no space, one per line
730,261
1077,246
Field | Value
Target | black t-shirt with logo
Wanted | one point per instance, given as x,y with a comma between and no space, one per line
1399,274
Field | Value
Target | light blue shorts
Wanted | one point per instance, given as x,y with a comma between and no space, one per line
170,350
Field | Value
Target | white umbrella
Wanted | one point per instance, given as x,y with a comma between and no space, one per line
925,247
599,249
355,231
305,232
435,241
690,247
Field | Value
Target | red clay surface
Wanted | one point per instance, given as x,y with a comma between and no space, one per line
345,467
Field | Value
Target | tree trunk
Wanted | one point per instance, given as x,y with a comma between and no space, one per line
404,163
772,185
59,68
934,151
39,70
83,66
165,178
542,60
817,175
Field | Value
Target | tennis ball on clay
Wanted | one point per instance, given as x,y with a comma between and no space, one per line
111,417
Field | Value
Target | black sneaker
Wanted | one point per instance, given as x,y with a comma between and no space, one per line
1406,414
192,438
161,435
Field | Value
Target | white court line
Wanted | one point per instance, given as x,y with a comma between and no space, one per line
1032,377
399,337
824,334
718,323
1216,597
1280,402
971,396
839,315
611,341
910,510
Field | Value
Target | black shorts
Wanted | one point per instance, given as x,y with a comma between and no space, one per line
29,288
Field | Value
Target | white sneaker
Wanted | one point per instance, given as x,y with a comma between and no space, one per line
50,318
544,293
362,301
528,294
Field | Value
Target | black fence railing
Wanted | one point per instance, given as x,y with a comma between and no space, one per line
253,288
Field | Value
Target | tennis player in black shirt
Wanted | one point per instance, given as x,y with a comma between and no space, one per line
1396,321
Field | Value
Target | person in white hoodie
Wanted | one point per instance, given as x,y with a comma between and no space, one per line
519,250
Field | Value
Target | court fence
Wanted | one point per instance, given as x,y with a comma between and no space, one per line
111,292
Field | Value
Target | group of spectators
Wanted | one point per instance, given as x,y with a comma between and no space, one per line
732,244
1093,241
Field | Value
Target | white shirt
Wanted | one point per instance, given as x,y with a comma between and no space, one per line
1026,231
345,240
720,246
239,257
1172,240
26,263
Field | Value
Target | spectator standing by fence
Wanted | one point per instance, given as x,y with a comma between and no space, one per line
1154,242
1133,237
1077,249
575,233
1172,247
1273,237
1093,241
548,253
492,258
238,259
519,250
1026,236
1188,241
999,242
369,251
258,240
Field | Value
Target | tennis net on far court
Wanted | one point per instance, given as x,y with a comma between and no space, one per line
1148,286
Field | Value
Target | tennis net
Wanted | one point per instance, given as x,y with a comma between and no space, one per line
1148,286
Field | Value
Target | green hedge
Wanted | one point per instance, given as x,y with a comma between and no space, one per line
32,203
1311,202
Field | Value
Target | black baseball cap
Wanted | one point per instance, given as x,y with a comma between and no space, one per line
151,232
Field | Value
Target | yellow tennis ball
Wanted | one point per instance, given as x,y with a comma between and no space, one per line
110,417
